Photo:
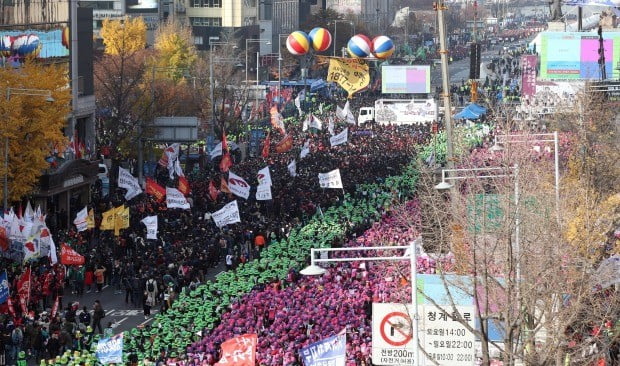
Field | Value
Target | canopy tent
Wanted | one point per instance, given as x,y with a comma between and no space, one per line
466,114
476,108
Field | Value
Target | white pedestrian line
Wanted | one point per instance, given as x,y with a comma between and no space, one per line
219,273
117,323
104,287
146,321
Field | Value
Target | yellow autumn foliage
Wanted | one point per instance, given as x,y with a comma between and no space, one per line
32,124
176,53
124,36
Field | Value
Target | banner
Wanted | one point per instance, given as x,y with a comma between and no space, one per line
155,190
213,192
239,351
529,63
183,186
340,138
31,248
23,289
110,350
330,180
81,219
286,144
90,219
217,151
351,74
4,287
266,145
264,176
107,222
151,226
330,126
238,186
169,154
328,351
224,186
178,169
276,119
70,257
55,307
229,214
263,192
129,182
121,219
292,168
176,199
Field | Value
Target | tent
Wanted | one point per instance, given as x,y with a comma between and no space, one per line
476,108
466,114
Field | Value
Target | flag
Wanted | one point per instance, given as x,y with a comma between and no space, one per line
121,220
264,176
340,112
305,150
239,351
330,351
55,307
53,256
276,119
298,99
151,226
238,186
315,122
129,182
23,289
340,138
170,153
213,192
263,192
108,220
330,180
155,189
292,168
4,287
81,218
306,123
224,186
265,152
29,213
178,169
70,257
217,151
351,74
90,219
176,199
229,214
226,161
286,144
31,248
183,186
330,126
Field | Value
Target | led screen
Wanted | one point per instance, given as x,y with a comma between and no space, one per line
406,79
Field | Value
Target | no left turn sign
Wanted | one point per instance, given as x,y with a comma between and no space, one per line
395,329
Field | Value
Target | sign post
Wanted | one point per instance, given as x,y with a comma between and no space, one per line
392,334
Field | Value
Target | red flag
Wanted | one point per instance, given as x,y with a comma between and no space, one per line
224,186
23,289
286,144
155,189
184,186
54,308
4,240
239,351
70,257
213,192
226,161
9,303
267,142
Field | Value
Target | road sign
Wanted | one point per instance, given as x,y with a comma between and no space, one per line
445,339
392,333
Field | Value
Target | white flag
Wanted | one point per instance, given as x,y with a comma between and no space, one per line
292,168
238,186
80,220
151,226
264,176
176,199
321,108
315,122
340,138
340,113
129,182
301,96
263,192
29,213
306,123
172,153
347,114
228,214
305,150
330,180
330,126
217,151
178,169
52,253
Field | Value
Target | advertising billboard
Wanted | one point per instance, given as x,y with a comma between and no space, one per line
16,45
406,79
574,55
141,6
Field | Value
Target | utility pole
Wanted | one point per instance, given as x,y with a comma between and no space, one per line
445,76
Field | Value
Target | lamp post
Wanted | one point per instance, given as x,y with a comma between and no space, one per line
336,31
535,138
280,67
9,92
410,254
247,42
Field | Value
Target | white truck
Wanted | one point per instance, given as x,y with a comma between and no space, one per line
400,112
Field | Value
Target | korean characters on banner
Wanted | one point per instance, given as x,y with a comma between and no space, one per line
446,340
330,180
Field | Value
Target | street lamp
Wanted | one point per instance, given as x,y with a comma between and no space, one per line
535,138
336,31
280,66
410,254
247,42
18,91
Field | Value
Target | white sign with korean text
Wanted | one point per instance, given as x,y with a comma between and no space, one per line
330,180
392,334
229,214
445,338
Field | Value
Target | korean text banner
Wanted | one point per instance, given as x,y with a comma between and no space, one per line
110,350
351,74
328,351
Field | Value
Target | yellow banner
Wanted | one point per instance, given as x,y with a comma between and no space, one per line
108,221
351,74
90,219
122,217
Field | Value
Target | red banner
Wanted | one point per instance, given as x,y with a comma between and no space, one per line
239,351
183,186
70,257
286,144
155,190
265,152
529,64
54,308
226,161
224,186
23,290
213,192
9,303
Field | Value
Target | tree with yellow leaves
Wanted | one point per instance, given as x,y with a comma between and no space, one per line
176,52
31,124
124,36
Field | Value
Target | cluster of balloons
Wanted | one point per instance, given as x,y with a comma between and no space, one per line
360,46
298,43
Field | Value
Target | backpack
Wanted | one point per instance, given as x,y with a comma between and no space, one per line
150,286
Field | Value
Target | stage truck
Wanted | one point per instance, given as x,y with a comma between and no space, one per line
400,112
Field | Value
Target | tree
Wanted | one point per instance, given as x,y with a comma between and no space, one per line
175,49
32,125
124,36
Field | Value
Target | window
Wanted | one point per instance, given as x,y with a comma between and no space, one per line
206,22
216,22
197,3
216,3
198,40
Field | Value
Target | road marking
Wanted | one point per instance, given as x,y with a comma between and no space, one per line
219,273
104,287
146,321
117,323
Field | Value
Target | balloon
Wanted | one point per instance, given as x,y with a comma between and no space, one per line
321,39
382,47
359,46
298,43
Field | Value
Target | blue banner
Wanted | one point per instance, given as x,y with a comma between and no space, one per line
110,350
326,352
4,287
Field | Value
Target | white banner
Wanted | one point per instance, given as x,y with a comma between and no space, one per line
172,153
340,138
151,226
330,180
176,199
238,186
305,151
263,192
129,182
264,176
81,220
330,126
315,122
178,169
292,168
228,214
217,151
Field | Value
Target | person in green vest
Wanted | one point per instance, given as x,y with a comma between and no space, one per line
21,359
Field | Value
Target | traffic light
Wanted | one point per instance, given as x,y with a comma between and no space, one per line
474,61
